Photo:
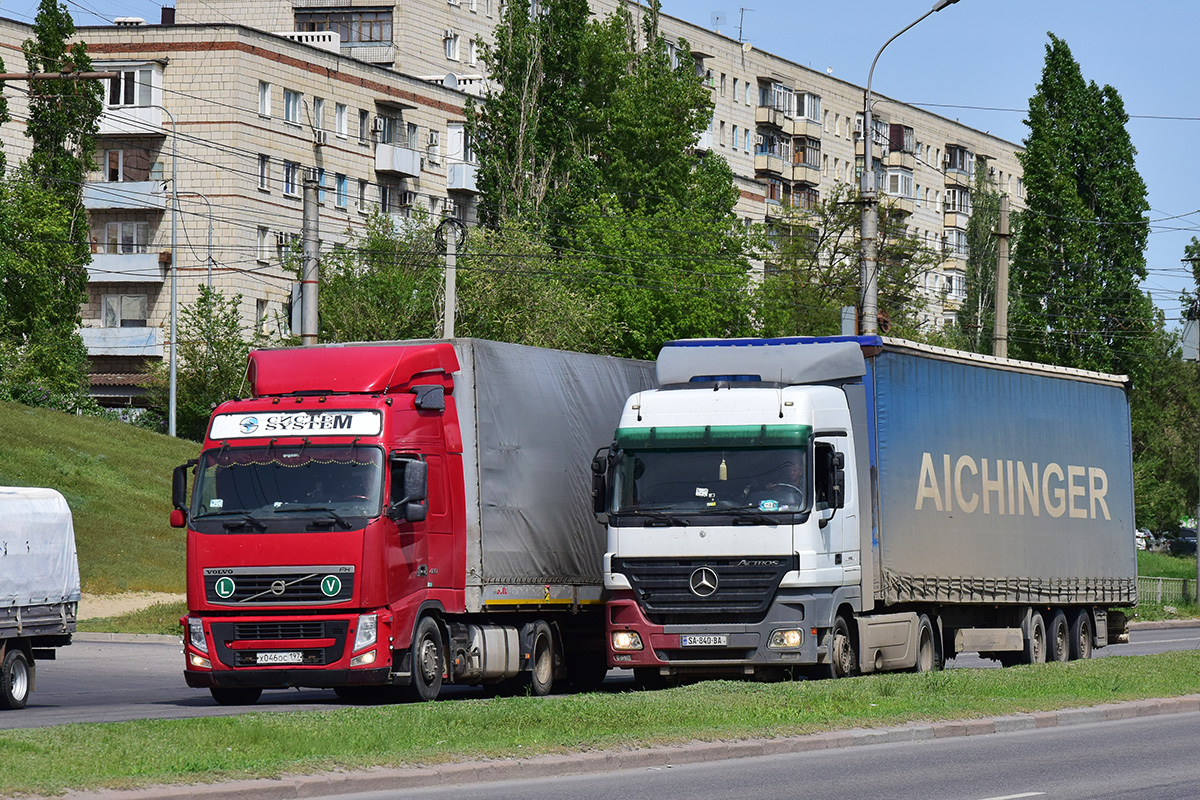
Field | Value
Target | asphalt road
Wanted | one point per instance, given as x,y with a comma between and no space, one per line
113,681
1153,757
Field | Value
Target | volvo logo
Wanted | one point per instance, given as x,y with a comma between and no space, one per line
703,582
278,587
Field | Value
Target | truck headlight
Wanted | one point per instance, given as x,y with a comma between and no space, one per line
787,639
626,640
196,634
367,632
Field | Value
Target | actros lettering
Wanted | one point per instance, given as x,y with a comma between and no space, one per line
999,486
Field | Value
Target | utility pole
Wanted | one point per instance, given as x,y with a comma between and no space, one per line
454,233
1000,323
310,277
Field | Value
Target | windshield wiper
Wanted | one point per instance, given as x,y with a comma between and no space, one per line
338,518
243,518
662,518
746,516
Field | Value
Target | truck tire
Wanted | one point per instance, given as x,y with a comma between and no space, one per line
929,653
428,663
1058,637
238,696
15,679
1081,635
843,656
538,681
1035,645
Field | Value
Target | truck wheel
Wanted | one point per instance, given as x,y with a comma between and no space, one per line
235,697
428,665
15,678
1058,637
540,677
843,657
929,655
1035,645
1081,635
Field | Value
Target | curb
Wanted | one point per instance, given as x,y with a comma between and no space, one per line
130,638
1161,624
384,779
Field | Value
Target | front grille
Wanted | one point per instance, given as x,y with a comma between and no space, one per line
279,630
744,586
711,654
279,586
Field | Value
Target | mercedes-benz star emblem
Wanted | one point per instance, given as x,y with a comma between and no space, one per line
703,582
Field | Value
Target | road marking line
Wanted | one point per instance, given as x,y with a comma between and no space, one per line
1172,641
1017,796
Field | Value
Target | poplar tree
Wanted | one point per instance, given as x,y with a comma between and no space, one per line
976,318
1077,264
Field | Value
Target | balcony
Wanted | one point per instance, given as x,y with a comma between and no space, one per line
397,160
957,177
775,210
904,205
806,173
770,115
901,159
135,195
704,142
370,52
132,121
127,268
461,177
802,126
773,164
123,341
956,219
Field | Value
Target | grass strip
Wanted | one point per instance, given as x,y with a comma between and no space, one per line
89,756
160,618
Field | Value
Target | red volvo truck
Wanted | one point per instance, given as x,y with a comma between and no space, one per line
400,514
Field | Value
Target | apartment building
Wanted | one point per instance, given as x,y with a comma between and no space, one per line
231,120
788,132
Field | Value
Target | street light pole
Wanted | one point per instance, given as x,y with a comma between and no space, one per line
870,211
171,382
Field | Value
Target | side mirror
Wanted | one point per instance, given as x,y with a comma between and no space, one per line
411,506
599,481
179,498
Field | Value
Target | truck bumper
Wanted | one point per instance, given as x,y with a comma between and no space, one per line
792,633
276,652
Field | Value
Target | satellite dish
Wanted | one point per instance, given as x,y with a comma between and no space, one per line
450,81
746,47
718,19
829,70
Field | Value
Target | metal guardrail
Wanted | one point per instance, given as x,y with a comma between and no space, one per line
1160,591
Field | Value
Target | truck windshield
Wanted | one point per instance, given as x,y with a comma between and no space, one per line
704,481
272,480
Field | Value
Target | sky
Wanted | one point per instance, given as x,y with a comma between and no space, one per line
977,61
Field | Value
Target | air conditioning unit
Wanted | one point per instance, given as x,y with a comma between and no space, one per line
434,138
450,207
406,198
448,33
378,124
281,239
320,138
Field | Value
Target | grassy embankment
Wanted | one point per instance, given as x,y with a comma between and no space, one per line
125,754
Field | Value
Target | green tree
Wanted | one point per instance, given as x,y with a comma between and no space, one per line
977,317
1077,264
211,364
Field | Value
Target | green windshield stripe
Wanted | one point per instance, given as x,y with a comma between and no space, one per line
714,436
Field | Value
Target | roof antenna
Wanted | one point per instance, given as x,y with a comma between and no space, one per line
781,392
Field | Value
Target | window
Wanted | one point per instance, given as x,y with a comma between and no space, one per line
318,109
410,135
775,189
956,242
901,139
342,186
264,172
722,84
808,105
123,310
806,197
900,182
735,90
735,137
385,198
807,151
749,93
260,315
472,51
776,96
131,87
284,242
721,134
320,184
291,177
340,121
364,126
264,244
264,99
291,106
126,237
354,26
127,165
362,197
451,43
958,200
959,159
